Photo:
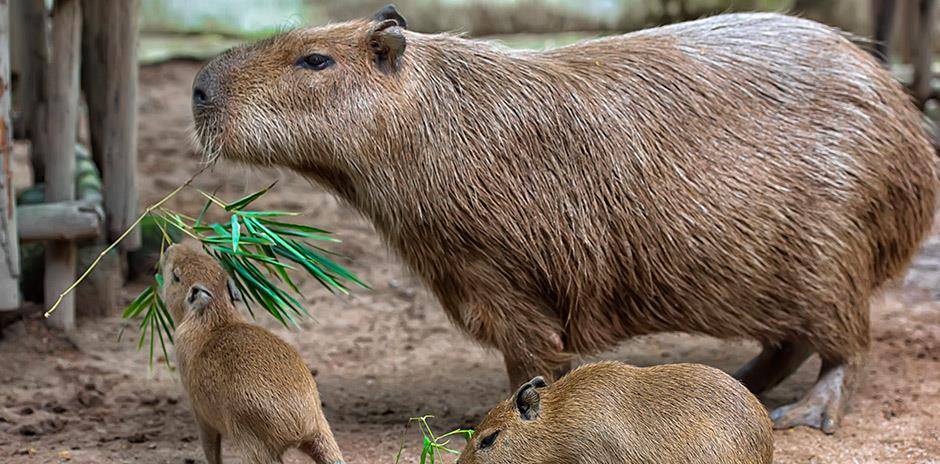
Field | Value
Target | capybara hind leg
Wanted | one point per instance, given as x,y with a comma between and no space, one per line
211,443
322,448
824,405
773,365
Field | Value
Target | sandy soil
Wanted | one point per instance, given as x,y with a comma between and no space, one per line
390,354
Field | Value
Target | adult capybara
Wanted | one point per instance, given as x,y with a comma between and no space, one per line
746,175
242,381
612,413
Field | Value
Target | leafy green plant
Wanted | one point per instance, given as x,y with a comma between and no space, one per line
433,447
257,249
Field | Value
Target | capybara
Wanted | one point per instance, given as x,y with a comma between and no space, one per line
613,413
243,382
745,175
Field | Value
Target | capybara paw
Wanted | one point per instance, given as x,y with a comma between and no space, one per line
821,408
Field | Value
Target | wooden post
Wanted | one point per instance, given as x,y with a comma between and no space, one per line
923,58
882,12
30,51
62,113
109,78
9,246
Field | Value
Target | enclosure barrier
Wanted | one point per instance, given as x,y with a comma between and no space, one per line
98,37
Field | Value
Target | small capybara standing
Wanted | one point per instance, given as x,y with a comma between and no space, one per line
243,382
612,413
745,175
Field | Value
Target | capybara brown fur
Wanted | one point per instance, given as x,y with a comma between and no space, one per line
746,175
613,413
243,382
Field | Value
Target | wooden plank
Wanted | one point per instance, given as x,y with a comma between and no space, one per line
62,88
923,58
9,247
109,78
62,221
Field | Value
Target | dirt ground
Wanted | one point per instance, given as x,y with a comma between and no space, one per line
386,355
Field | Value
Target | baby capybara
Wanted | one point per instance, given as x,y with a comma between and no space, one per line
612,413
745,175
243,382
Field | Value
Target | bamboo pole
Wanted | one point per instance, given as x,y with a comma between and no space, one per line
9,247
109,78
62,113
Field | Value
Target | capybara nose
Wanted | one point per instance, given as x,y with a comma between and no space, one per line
205,90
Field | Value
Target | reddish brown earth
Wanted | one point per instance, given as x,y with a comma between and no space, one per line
385,355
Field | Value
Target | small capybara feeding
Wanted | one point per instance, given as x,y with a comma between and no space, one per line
614,413
243,382
745,175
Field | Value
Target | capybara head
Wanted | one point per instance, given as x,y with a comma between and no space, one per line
194,283
299,99
510,430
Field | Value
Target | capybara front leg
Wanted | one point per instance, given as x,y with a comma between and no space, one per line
211,443
773,365
322,447
547,359
825,403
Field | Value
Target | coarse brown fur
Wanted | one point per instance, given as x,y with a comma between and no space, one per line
243,382
745,175
613,413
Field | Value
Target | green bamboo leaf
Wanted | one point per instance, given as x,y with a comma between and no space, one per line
248,199
291,225
202,213
138,304
235,232
260,214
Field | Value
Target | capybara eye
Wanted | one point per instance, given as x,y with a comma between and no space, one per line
316,62
488,440
176,276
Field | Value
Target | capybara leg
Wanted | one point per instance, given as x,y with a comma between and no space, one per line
211,443
773,365
536,357
322,448
255,451
522,369
824,405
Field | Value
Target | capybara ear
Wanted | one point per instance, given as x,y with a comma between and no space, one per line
198,298
387,44
233,292
389,12
528,401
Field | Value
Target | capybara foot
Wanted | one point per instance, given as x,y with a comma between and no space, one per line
822,407
773,365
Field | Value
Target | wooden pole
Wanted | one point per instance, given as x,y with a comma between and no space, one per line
30,52
31,43
62,113
9,247
882,12
110,81
923,58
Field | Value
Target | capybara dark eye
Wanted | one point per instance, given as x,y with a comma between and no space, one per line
316,62
176,276
488,440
